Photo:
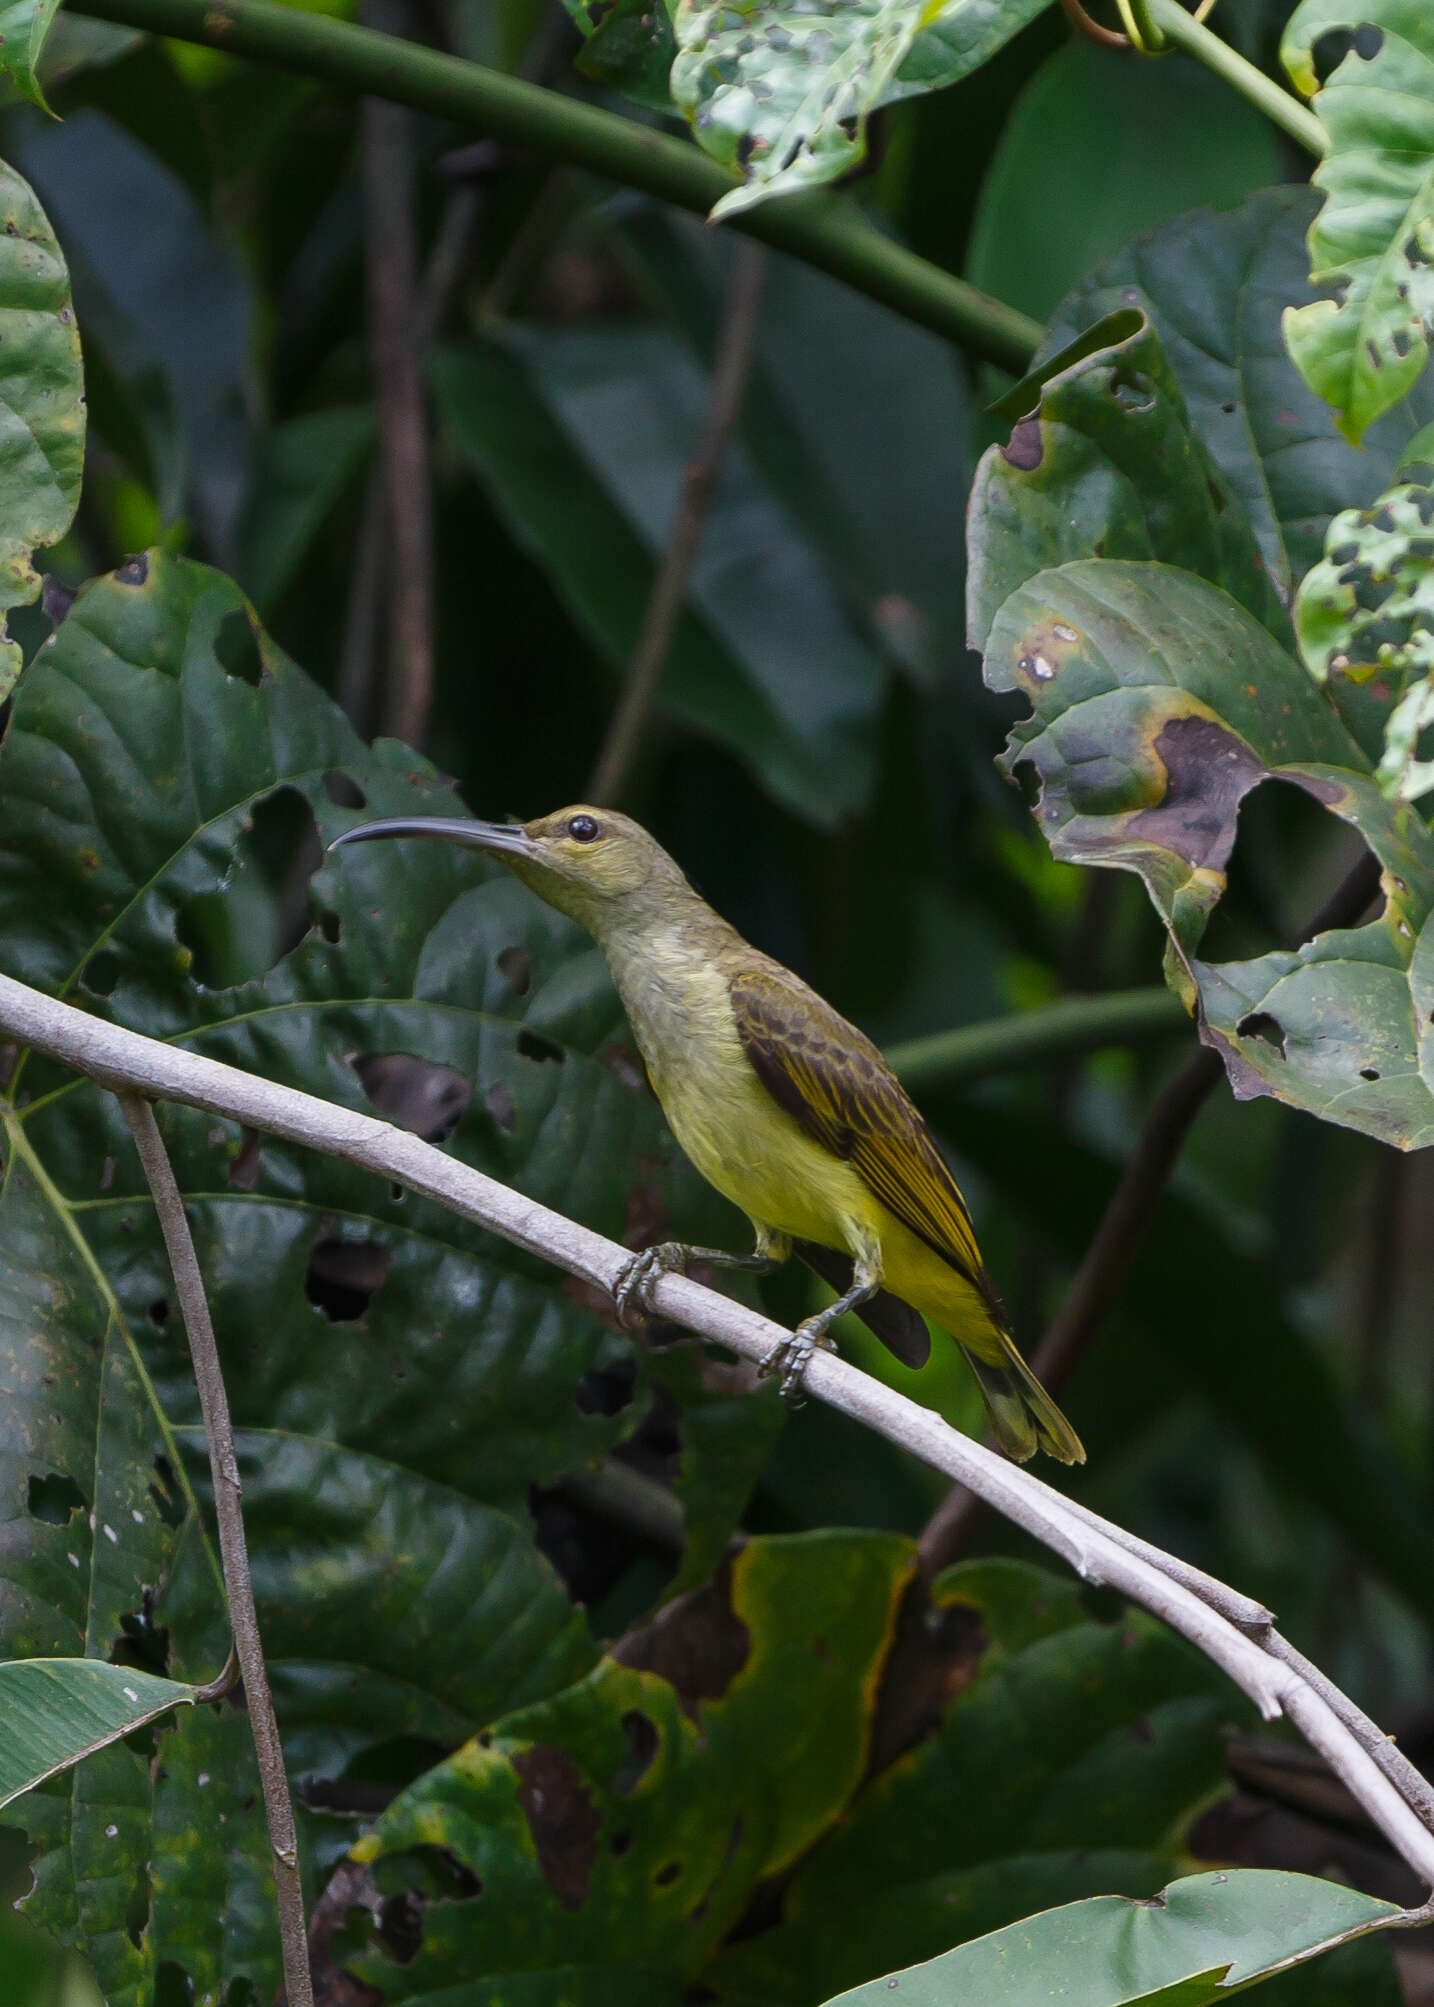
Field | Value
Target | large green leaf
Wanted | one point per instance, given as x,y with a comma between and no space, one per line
42,405
581,437
1157,705
421,1376
1105,118
24,25
1068,1754
1109,462
619,1830
302,469
56,1712
1200,1940
1372,244
1214,285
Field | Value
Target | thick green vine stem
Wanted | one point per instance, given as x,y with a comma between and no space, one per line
1183,31
827,231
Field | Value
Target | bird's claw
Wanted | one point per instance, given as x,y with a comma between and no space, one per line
791,1356
632,1292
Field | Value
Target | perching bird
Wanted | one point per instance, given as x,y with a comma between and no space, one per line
787,1109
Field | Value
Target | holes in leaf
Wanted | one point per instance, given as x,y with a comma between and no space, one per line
173,1986
400,1926
240,1993
533,1045
238,932
445,1875
158,1312
667,1875
236,649
134,571
343,790
17,1853
52,1499
165,1491
1369,1073
414,1094
245,1166
142,1642
101,973
607,1389
136,1923
343,1277
643,1743
516,965
331,927
619,1844
1290,855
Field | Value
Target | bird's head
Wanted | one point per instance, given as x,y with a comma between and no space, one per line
600,868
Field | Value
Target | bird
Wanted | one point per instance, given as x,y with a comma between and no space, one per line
788,1109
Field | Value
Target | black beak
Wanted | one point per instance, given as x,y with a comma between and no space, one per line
510,837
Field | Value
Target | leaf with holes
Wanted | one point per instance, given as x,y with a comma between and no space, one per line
1372,243
615,1834
42,441
56,1712
1069,1757
165,770
1214,285
1157,704
782,95
1109,461
1197,1942
1365,621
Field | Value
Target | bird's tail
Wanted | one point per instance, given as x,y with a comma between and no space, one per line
1022,1413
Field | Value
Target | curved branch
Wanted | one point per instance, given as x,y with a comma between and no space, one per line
1230,1629
824,230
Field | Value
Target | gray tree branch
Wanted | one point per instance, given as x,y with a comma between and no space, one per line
233,1553
1230,1629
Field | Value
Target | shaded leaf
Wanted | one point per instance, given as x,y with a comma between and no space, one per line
583,443
1215,285
302,469
1109,463
1157,705
42,436
782,96
1372,243
56,1712
1202,1939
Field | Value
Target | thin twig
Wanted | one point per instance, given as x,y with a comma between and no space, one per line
395,349
731,368
233,1553
131,1064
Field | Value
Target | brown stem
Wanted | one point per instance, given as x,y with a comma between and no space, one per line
395,351
1101,1275
233,1553
731,368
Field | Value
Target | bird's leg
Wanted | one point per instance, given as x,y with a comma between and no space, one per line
632,1290
791,1355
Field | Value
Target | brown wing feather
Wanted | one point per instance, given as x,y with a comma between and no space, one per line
832,1080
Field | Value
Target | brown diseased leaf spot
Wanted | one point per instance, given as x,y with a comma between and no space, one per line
562,1819
697,1644
1209,771
1023,449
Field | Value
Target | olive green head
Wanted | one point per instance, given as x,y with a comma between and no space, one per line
599,867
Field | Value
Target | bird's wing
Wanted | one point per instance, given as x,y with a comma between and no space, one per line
836,1085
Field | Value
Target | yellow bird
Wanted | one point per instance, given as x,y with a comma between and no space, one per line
787,1109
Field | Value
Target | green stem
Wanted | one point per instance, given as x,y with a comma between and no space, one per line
824,230
1075,1025
1267,96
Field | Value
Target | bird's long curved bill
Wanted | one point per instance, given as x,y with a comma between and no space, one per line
502,836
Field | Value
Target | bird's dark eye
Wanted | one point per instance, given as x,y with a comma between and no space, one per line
583,828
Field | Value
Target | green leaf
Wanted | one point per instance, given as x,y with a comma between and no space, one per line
1068,1755
42,439
1372,243
1110,463
581,437
1365,620
1214,286
1202,1939
628,45
24,25
56,1712
782,96
621,1828
1104,118
1157,705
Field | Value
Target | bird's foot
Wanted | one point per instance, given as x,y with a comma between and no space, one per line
632,1292
792,1355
